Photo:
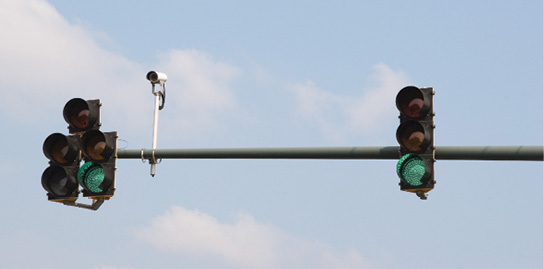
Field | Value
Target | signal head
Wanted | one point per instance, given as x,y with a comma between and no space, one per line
96,179
97,175
61,149
414,136
82,115
412,102
60,183
412,169
98,146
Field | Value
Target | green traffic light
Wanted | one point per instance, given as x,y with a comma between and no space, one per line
411,169
91,176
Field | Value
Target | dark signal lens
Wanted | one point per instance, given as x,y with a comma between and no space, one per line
76,113
59,184
411,136
411,103
80,119
58,151
57,181
413,108
94,147
81,115
97,146
60,148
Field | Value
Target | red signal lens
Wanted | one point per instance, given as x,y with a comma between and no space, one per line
411,102
81,115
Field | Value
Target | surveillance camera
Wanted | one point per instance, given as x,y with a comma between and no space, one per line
156,77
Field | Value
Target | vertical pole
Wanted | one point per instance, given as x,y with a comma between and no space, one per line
153,160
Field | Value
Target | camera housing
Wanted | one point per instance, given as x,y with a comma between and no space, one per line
156,77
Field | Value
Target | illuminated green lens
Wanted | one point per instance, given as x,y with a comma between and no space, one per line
91,176
411,169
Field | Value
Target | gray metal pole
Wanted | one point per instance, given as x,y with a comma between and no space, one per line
491,153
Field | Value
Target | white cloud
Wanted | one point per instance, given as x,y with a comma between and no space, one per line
244,243
198,89
47,60
337,115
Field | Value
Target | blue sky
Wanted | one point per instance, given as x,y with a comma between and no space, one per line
276,74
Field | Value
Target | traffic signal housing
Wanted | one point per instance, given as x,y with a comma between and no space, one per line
82,115
97,175
60,178
415,135
87,158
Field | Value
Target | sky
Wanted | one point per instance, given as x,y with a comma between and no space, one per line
275,74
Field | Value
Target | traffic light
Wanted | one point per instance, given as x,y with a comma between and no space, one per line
82,115
60,178
415,135
97,175
87,158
